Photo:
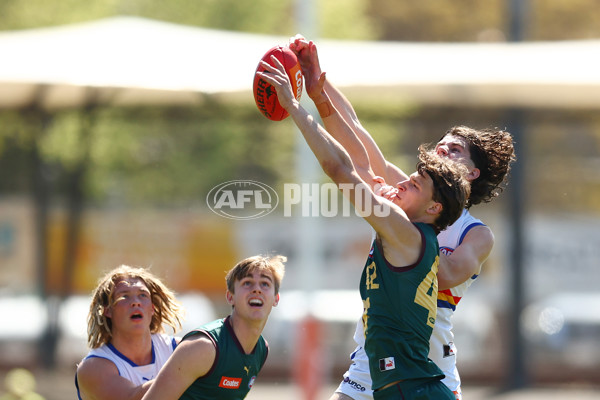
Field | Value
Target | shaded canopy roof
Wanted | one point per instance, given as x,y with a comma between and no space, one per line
128,60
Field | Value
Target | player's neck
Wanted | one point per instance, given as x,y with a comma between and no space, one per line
137,348
424,218
247,331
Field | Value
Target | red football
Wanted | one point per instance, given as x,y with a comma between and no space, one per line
265,94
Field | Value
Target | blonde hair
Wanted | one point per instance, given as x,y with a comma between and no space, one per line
273,264
167,310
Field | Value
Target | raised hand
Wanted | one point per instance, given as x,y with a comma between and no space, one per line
383,189
308,58
278,78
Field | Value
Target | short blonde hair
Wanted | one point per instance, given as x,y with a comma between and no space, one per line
273,264
167,310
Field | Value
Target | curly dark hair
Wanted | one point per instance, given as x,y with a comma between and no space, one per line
492,152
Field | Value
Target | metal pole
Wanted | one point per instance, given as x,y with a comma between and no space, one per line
518,376
309,363
307,171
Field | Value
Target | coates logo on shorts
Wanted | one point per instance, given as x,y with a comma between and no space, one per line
242,199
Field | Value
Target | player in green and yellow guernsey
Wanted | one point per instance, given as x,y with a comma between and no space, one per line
221,360
432,197
400,302
233,373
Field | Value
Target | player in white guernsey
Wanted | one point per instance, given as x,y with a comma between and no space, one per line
464,246
441,345
129,309
162,348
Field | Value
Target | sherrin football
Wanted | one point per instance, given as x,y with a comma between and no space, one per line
265,95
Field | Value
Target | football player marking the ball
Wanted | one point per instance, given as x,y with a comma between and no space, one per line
125,333
398,284
265,95
220,360
465,245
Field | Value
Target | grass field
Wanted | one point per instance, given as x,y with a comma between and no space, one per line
58,385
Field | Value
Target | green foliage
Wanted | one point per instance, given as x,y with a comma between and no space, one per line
560,19
259,16
20,133
427,20
338,18
63,143
26,14
345,19
176,155
14,163
436,20
475,20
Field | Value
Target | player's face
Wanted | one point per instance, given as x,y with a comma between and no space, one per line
132,307
254,295
414,195
456,148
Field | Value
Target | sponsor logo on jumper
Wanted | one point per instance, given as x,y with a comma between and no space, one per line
230,383
446,250
386,364
354,385
251,382
449,350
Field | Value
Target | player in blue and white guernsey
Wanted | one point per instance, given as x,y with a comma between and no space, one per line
128,312
221,360
442,349
464,246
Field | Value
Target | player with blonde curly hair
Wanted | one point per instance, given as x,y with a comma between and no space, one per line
128,313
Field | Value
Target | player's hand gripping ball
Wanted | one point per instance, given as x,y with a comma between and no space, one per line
265,94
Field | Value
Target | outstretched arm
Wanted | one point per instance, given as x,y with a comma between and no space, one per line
331,155
344,122
389,220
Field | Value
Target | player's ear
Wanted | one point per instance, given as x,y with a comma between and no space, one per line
435,208
276,300
229,297
473,174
